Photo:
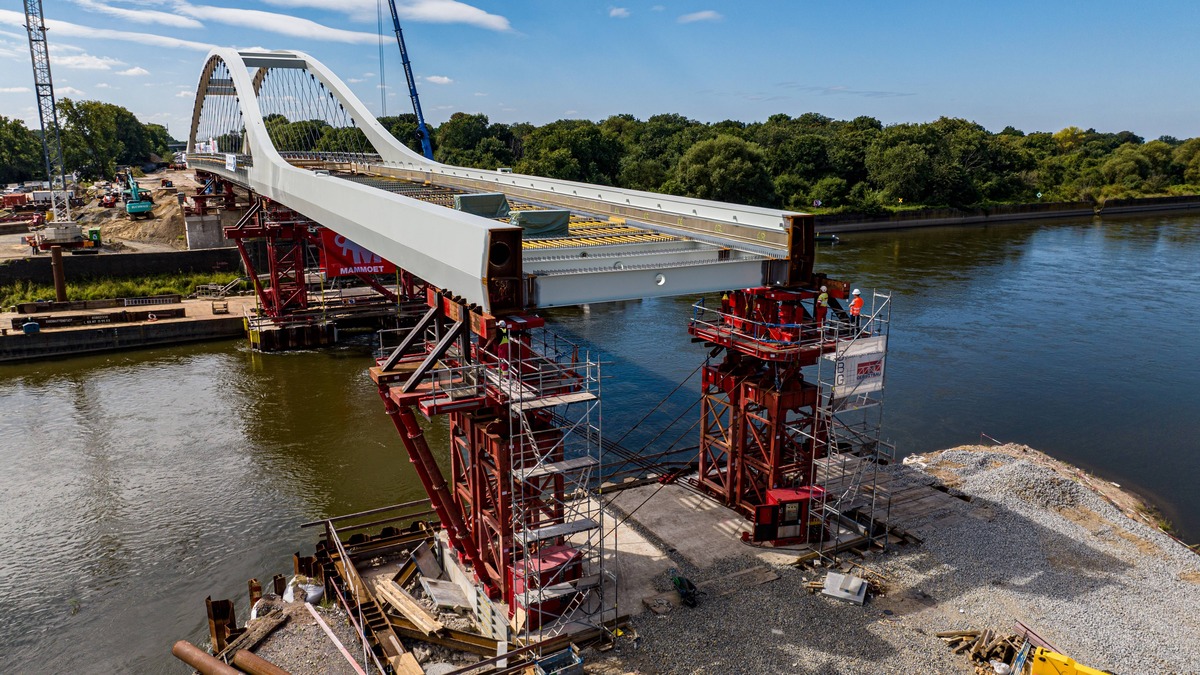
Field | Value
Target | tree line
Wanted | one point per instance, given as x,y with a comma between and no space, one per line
815,161
96,138
810,162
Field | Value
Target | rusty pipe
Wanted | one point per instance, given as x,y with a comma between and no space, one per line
60,275
201,660
255,665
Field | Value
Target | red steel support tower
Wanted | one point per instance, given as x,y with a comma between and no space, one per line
760,418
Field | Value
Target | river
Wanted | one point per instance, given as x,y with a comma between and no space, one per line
136,484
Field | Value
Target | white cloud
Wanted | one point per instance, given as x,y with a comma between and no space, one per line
140,15
426,11
354,80
68,91
284,24
136,71
438,79
67,29
185,94
706,15
102,85
368,74
15,90
85,62
618,13
480,93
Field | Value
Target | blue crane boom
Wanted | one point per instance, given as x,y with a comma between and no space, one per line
426,148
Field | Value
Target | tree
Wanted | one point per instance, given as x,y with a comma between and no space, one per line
572,150
726,169
20,152
1069,139
159,139
90,142
901,170
458,136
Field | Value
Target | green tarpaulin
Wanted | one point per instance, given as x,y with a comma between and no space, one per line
487,204
550,223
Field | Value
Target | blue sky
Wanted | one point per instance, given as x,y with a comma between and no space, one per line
1038,66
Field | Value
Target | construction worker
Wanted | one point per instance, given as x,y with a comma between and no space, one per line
856,309
502,348
822,305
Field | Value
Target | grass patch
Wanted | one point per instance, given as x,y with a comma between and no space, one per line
104,288
1160,521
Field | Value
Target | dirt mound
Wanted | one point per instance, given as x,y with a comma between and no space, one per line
165,227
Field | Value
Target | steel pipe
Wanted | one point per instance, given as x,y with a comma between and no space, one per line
254,664
202,661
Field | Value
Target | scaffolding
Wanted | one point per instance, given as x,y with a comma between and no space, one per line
852,508
791,416
557,559
524,415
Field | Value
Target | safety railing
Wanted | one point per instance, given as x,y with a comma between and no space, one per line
780,335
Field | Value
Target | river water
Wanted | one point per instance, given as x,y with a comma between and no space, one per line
136,484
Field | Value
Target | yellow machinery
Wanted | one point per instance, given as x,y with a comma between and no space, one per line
1045,662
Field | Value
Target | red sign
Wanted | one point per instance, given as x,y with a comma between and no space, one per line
341,257
868,369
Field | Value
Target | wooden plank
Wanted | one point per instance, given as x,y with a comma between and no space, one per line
407,605
256,632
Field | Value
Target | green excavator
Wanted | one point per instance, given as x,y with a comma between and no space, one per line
138,202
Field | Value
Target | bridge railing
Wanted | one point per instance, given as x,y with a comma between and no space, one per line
220,162
339,157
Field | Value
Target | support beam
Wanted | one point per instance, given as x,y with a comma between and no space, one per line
431,476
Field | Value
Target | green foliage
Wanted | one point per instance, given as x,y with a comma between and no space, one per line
20,152
102,289
572,150
726,169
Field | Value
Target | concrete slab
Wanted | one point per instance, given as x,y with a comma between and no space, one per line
699,529
636,562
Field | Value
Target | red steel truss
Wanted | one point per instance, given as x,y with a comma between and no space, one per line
288,236
503,506
760,427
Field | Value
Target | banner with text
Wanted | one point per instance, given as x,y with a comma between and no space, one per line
858,369
341,257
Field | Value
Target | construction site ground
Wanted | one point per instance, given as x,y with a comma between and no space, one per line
997,535
118,232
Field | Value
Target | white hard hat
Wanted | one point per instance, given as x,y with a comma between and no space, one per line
501,324
857,292
823,289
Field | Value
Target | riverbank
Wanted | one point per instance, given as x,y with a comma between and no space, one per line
837,223
1020,537
991,536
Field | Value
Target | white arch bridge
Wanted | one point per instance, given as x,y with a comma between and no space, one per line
282,125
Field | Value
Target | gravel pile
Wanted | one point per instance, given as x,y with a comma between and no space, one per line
301,645
1032,545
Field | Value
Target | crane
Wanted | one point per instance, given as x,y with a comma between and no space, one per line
47,111
422,130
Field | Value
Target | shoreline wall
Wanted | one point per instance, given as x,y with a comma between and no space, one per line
121,265
58,344
856,222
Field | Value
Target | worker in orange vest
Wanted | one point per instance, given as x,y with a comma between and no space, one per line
856,309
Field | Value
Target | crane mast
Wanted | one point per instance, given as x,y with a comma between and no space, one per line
47,111
426,148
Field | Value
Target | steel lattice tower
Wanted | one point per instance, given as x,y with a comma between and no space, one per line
47,110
